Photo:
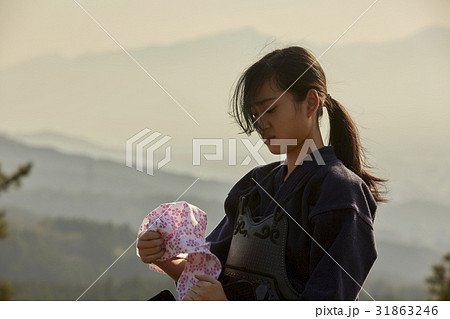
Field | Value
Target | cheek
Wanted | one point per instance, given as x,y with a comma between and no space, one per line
294,129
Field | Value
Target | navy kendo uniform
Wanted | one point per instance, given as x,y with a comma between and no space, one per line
259,241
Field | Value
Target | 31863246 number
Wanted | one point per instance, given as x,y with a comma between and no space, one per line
407,310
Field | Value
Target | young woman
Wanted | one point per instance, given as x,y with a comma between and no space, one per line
301,229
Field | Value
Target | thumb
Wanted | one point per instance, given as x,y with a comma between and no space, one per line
207,278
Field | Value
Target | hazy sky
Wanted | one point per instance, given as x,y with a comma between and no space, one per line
45,95
30,28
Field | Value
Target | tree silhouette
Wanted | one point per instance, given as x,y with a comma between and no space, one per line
6,182
439,281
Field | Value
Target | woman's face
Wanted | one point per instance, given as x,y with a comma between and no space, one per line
285,125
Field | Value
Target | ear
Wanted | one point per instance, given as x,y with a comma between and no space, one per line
312,102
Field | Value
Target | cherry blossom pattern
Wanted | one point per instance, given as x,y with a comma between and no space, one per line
182,227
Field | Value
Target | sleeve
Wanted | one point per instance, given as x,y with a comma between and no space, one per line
341,189
350,249
220,237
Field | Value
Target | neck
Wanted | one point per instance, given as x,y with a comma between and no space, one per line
294,156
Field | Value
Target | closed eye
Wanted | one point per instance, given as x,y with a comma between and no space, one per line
272,109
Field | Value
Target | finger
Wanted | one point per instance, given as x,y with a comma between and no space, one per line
158,241
203,284
187,298
148,235
144,244
195,290
207,278
152,242
151,251
191,294
148,259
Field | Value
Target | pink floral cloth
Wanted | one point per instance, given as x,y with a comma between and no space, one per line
182,228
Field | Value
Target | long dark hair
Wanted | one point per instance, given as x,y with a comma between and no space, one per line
296,70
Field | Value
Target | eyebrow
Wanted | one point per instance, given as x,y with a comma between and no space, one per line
261,102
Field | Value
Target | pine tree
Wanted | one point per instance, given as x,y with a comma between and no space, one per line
14,180
439,281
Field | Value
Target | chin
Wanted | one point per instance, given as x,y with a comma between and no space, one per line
275,150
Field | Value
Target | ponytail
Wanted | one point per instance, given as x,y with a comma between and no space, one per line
345,139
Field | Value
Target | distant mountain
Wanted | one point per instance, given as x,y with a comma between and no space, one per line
418,223
69,144
67,185
105,98
79,186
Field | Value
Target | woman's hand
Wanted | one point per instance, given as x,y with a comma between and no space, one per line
150,246
206,288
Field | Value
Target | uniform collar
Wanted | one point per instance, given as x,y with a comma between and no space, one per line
326,153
